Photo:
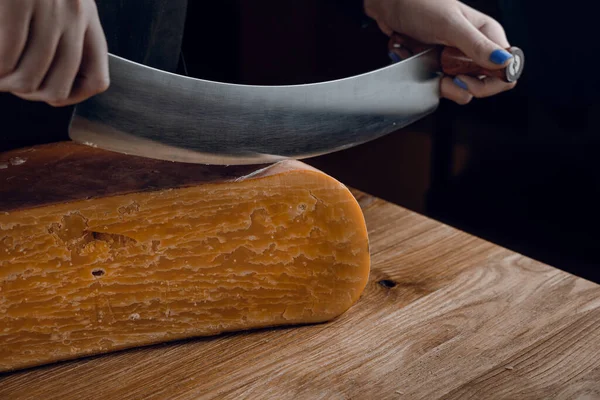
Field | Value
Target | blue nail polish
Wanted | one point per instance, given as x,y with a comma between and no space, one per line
460,84
394,57
500,56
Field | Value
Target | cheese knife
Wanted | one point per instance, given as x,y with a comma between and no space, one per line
156,114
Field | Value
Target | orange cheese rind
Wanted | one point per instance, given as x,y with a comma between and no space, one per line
112,268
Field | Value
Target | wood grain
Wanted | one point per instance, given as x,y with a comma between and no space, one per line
445,315
455,62
452,61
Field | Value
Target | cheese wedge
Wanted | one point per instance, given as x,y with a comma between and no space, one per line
101,251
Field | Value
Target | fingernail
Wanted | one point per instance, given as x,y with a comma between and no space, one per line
460,84
394,57
500,56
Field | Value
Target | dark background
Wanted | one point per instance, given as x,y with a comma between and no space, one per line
519,169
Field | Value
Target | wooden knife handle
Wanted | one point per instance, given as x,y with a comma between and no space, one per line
454,62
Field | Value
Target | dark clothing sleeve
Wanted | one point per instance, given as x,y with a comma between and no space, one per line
148,32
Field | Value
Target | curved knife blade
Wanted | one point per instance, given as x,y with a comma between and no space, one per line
157,114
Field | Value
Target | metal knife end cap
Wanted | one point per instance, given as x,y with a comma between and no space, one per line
514,70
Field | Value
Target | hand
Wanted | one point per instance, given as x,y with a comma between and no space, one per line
451,23
52,50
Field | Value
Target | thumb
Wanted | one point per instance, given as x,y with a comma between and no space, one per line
477,46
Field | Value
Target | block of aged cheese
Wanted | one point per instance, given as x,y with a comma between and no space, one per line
100,251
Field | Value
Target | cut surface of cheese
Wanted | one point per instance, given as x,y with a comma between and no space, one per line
100,251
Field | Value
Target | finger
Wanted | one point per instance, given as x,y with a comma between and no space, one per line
470,40
57,85
37,55
488,26
450,90
15,18
93,76
485,87
495,32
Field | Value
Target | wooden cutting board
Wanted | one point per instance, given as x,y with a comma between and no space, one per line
445,314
